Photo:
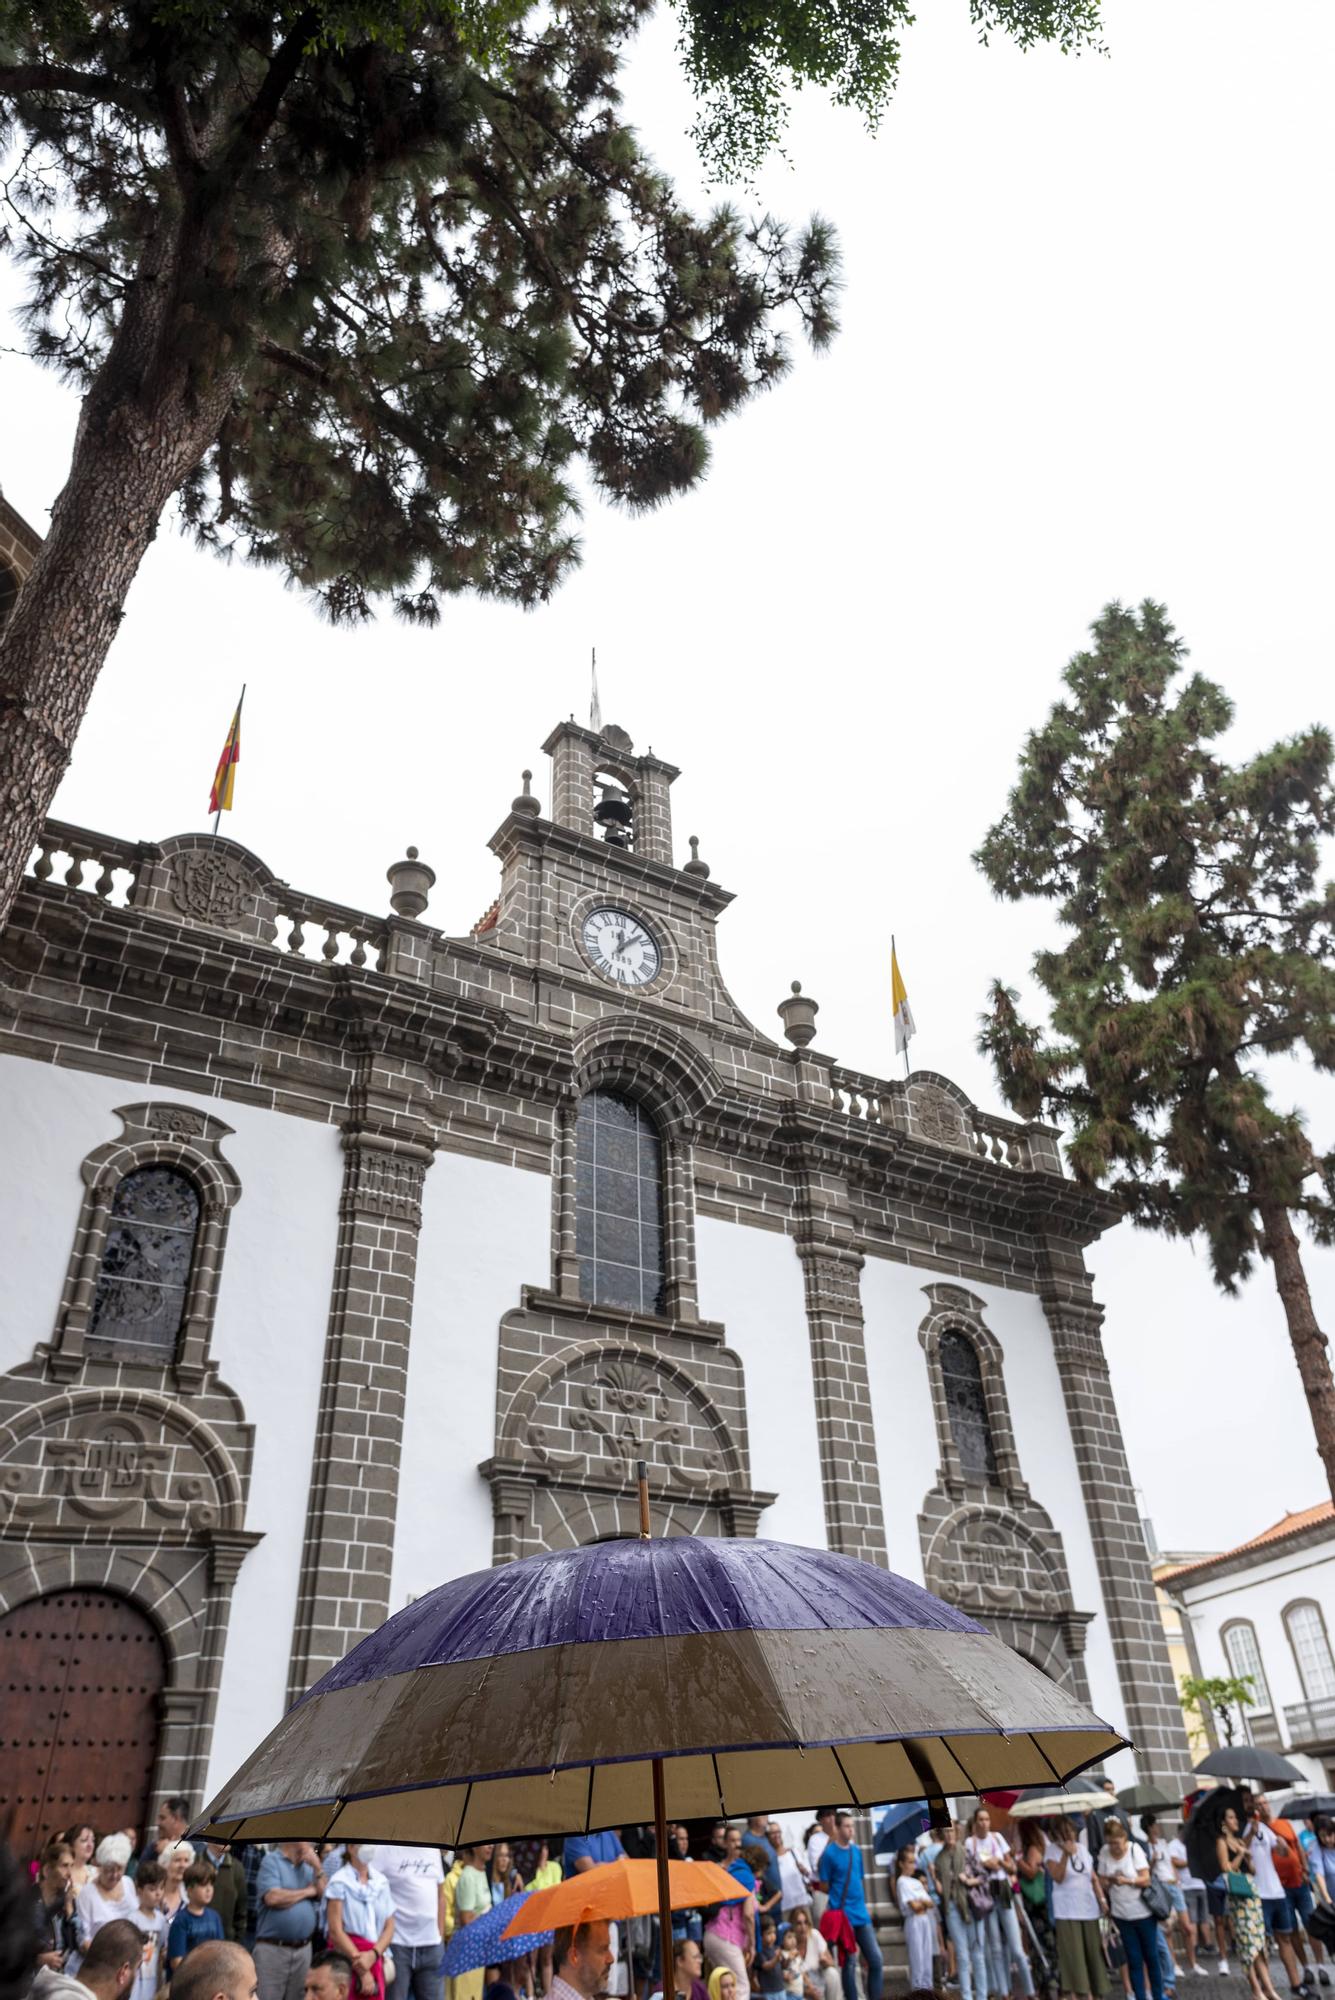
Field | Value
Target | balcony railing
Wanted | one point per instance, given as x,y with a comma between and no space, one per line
1310,1723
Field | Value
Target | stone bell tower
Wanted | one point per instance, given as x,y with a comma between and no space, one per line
600,787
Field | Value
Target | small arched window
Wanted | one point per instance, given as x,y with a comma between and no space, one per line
144,1276
1311,1649
618,1204
1244,1660
966,1405
9,590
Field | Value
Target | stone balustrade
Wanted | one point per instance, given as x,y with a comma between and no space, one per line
930,1107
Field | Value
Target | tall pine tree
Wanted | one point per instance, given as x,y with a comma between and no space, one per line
364,283
1200,942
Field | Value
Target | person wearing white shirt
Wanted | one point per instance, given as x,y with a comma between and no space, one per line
991,1855
1263,1844
1124,1872
1077,1904
915,1906
107,1895
818,1839
1168,1861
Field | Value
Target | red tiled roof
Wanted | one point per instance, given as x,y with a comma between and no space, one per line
1279,1531
489,920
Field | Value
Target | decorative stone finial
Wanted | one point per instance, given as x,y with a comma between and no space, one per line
410,882
798,1015
526,803
695,866
617,737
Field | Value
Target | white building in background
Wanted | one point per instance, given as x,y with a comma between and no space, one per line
1267,1609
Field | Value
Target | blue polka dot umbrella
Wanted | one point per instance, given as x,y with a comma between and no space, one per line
479,1943
610,1685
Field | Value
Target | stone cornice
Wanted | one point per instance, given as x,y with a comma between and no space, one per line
139,977
521,833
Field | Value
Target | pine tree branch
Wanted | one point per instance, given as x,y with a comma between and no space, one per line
39,79
256,125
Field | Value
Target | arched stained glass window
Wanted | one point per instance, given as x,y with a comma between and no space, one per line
145,1271
618,1204
966,1405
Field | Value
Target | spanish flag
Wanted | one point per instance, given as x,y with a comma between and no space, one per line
905,1026
224,778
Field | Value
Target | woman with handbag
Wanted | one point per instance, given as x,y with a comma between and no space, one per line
958,1878
991,1852
1125,1874
1244,1906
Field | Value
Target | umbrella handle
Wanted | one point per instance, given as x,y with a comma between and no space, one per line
660,1799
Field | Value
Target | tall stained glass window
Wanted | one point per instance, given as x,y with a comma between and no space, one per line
618,1204
966,1405
141,1287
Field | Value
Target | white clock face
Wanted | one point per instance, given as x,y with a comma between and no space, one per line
621,947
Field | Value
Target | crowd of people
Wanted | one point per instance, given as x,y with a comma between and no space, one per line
1072,1905
1081,1904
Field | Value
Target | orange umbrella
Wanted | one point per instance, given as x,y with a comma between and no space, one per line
620,1889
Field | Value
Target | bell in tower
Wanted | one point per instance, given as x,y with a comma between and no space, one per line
616,816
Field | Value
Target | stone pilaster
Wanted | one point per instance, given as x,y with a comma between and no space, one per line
359,1436
1154,1718
831,1276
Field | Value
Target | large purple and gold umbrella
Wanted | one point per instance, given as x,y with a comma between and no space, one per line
611,1685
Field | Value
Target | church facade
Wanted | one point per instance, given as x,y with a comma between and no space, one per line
344,1256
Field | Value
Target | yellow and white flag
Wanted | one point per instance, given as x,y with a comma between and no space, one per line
905,1026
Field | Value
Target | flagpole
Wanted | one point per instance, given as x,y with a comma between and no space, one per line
893,960
236,729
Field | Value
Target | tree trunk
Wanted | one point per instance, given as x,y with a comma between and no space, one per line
143,428
1309,1343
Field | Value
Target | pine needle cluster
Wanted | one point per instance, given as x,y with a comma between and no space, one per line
413,257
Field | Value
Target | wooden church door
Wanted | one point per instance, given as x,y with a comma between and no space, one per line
81,1675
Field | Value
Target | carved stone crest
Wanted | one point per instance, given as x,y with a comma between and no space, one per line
938,1118
108,1469
615,1410
211,888
982,1560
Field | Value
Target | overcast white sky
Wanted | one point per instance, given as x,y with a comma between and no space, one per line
1086,355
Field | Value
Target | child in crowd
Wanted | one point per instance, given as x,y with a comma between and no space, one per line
769,1966
195,1923
792,1965
150,1886
915,1903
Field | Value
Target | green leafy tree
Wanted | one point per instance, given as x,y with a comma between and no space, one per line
365,286
1219,1697
1198,942
745,57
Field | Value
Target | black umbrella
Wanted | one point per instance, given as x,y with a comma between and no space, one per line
1147,1798
1203,1829
1249,1766
1308,1805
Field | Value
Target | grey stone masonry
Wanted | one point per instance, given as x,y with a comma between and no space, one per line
583,757
1154,1717
349,1539
845,1430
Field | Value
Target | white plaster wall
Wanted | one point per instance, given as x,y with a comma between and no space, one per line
1260,1595
894,1306
486,1231
273,1308
751,1280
